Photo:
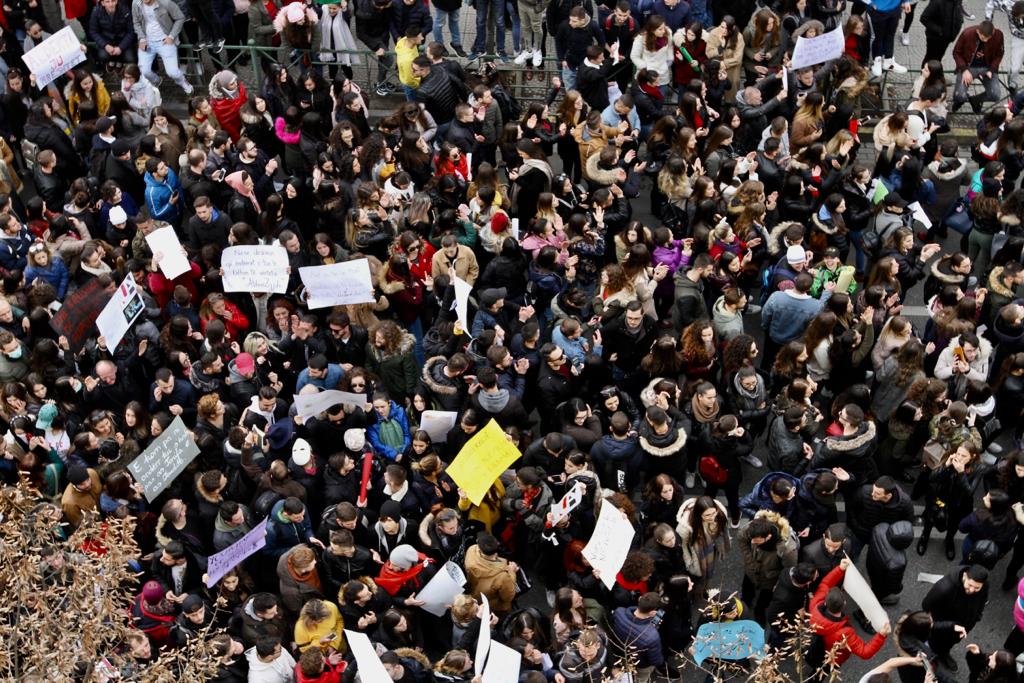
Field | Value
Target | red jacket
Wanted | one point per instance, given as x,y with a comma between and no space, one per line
330,674
967,43
833,630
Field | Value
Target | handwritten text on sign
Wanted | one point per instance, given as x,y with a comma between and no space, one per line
164,459
56,55
818,50
609,544
221,563
255,269
338,284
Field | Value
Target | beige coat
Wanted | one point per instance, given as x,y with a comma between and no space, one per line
466,266
732,59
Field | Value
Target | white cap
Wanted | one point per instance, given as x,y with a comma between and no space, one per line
302,452
355,438
118,216
795,254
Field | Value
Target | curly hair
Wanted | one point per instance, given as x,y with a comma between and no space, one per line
392,335
694,348
638,566
737,353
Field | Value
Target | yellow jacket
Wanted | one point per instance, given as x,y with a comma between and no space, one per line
100,96
406,51
306,638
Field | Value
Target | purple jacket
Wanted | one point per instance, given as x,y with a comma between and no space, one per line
674,258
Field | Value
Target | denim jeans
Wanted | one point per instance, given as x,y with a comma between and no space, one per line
568,78
512,7
453,26
410,93
992,89
490,12
168,55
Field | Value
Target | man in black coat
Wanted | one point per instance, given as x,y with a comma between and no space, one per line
110,27
887,559
50,185
120,168
625,341
877,503
828,551
572,38
592,78
555,384
956,603
795,586
346,342
436,92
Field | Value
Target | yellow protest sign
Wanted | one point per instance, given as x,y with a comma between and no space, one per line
482,460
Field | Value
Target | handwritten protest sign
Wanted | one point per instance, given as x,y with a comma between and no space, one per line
255,269
338,284
609,544
570,501
437,423
483,641
56,55
503,664
482,460
166,243
164,460
817,50
442,589
731,641
859,591
221,563
120,312
314,404
371,669
76,319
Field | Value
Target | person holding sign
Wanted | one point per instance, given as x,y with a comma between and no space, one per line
828,609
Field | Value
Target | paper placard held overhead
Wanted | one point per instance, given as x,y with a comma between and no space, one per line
338,284
818,50
221,563
859,591
609,544
447,583
56,55
260,268
462,290
483,641
314,404
371,669
482,460
165,459
166,243
437,423
120,312
503,664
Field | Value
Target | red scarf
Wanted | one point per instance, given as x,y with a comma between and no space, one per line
632,586
392,579
653,91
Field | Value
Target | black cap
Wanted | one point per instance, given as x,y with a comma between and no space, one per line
391,509
893,199
489,297
193,603
77,475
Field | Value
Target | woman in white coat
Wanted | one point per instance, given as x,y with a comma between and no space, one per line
652,50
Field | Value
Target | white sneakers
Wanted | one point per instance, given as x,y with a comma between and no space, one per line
905,38
525,56
888,64
891,65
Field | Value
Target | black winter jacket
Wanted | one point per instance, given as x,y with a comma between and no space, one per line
887,557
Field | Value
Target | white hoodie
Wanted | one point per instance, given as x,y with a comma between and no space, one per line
281,670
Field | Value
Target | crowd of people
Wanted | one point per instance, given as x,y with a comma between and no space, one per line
731,369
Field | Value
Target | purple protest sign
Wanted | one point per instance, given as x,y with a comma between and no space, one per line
221,563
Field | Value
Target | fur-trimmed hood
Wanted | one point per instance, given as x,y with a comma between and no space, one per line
847,444
940,270
995,286
778,520
282,20
598,174
819,28
829,228
947,169
775,237
433,376
662,446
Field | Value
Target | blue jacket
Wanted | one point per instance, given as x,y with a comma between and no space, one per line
676,17
612,118
14,250
573,348
397,413
158,196
641,635
283,534
334,375
885,5
785,316
55,274
760,498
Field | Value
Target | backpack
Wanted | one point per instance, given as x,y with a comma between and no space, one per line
263,504
511,110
